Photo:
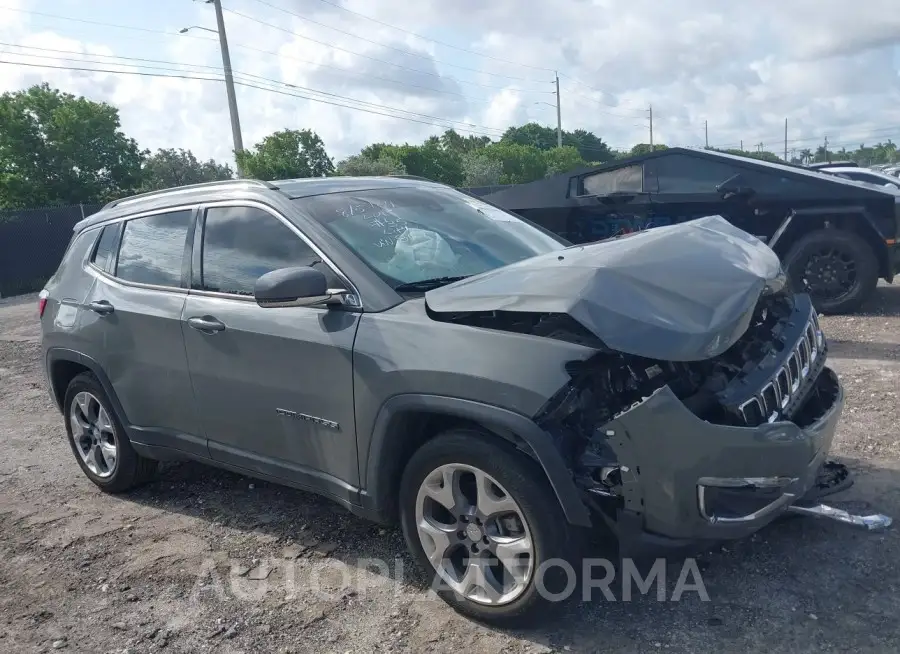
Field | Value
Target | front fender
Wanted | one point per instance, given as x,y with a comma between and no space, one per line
380,474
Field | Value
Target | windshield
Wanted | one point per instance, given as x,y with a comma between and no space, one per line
412,235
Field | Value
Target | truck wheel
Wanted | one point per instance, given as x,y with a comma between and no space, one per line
98,439
836,267
479,518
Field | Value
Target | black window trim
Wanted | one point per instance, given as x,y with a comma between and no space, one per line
92,251
197,254
121,220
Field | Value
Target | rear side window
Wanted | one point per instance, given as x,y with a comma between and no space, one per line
105,252
240,244
152,250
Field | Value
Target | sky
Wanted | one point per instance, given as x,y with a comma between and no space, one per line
359,72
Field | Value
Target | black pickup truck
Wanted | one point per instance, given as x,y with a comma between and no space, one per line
835,237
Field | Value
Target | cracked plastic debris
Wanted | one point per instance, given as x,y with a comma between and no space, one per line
874,522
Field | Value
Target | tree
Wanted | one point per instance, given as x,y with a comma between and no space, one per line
641,149
453,141
481,170
562,160
359,165
170,167
56,148
287,154
588,144
520,163
430,160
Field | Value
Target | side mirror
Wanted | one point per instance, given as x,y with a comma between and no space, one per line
301,286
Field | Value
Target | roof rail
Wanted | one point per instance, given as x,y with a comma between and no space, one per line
190,187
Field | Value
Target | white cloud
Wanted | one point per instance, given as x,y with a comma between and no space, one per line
829,66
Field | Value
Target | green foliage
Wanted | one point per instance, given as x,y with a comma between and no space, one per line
519,163
589,145
170,167
359,165
287,154
564,159
481,170
56,148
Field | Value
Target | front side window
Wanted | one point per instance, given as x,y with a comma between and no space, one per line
413,234
622,180
152,250
240,244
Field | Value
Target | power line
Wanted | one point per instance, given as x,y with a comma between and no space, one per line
589,87
414,70
446,123
385,45
633,113
253,77
238,45
424,38
202,38
869,133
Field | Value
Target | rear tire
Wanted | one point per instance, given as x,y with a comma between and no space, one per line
98,439
504,517
836,267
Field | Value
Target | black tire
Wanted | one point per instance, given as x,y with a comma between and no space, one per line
851,246
130,469
526,484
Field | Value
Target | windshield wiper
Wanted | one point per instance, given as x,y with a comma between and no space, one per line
423,285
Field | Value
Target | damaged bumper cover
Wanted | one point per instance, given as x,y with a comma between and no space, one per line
686,479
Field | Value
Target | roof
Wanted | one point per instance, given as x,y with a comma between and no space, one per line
553,192
247,189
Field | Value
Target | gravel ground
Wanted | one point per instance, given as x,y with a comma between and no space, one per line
202,560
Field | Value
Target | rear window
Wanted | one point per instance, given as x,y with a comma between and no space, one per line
152,250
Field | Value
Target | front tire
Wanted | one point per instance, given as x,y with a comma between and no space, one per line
481,519
836,267
98,439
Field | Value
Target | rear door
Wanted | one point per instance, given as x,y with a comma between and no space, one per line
274,386
132,326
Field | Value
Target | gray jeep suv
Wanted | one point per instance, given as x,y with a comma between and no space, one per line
419,355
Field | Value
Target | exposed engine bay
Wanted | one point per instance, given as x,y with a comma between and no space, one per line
768,374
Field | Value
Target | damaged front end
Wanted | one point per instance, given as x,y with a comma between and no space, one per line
671,453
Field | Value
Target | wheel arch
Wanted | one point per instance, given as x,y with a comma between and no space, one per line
406,421
63,365
851,218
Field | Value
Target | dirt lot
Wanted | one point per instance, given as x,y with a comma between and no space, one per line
176,566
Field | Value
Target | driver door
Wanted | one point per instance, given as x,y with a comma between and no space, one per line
274,386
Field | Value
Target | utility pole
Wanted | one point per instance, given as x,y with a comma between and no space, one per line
785,140
742,145
229,84
827,155
651,128
706,131
558,113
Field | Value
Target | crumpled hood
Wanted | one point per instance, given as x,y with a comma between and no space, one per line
683,292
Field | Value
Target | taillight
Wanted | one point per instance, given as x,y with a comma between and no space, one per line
42,303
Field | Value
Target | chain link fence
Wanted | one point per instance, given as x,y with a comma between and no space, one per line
32,243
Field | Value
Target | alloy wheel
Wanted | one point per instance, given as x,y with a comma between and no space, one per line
93,434
830,273
474,534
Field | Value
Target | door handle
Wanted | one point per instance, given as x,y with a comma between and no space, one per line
207,324
102,307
